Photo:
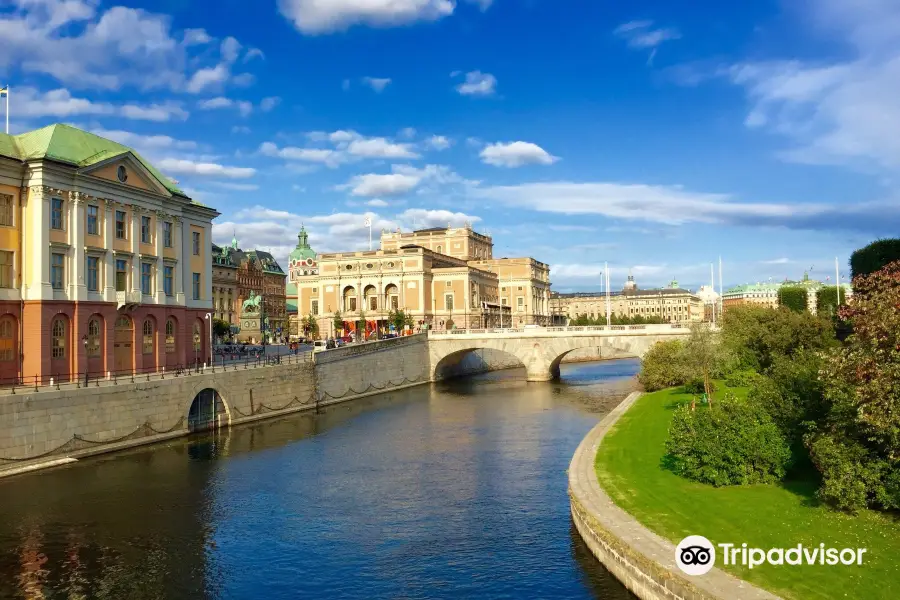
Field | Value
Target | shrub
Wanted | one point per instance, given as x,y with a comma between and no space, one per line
663,366
874,257
793,297
733,442
827,300
742,378
792,393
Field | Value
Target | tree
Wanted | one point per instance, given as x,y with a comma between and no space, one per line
827,303
793,297
338,322
663,366
361,327
408,320
874,257
861,383
221,328
705,356
398,319
310,327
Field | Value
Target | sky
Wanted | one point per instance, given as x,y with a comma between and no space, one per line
655,136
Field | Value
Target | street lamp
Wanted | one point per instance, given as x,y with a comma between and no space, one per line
84,341
210,324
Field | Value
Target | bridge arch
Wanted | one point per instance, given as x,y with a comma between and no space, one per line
470,361
207,410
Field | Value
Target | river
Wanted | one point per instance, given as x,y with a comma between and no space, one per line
456,490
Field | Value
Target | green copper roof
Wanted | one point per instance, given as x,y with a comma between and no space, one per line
68,144
303,249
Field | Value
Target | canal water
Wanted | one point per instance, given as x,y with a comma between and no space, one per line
456,490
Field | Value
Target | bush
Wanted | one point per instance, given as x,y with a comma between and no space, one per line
792,393
697,386
733,442
827,300
874,257
663,366
793,297
742,378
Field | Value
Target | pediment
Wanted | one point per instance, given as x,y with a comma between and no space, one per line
134,172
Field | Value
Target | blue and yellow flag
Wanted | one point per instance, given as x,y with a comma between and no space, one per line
4,90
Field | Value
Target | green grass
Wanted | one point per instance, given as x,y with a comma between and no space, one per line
764,516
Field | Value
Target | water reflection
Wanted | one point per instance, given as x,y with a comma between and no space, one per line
451,491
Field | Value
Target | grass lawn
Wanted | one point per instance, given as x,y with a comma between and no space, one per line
763,516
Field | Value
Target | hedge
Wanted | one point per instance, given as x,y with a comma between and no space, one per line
792,297
873,257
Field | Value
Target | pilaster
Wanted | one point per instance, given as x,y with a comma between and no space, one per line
77,284
109,264
180,271
160,269
38,287
136,212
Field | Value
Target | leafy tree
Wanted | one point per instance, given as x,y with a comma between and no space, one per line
793,297
705,356
338,322
874,257
734,442
663,366
408,320
398,318
861,383
310,326
361,326
221,328
827,304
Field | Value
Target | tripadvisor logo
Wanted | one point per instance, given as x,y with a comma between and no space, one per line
696,555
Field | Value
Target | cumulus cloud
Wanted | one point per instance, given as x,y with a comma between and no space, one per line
516,154
392,184
346,146
83,46
674,205
478,84
316,17
268,104
60,103
425,218
380,148
145,143
243,107
206,169
377,83
326,156
438,142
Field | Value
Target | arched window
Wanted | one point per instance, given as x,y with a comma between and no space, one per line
58,332
170,335
197,336
93,342
148,336
7,339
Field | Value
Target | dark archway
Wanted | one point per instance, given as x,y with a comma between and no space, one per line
207,411
472,361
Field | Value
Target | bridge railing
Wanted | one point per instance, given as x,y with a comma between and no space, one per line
572,329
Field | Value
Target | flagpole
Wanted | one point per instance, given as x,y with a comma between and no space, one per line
837,281
606,276
712,284
721,291
7,110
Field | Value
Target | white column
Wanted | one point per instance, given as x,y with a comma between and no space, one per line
160,267
77,284
206,253
180,269
109,262
38,285
136,212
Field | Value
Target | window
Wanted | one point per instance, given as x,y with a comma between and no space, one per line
93,220
503,301
315,307
121,275
7,339
145,231
58,338
196,237
352,304
448,301
148,337
170,335
168,276
373,303
196,285
6,269
93,273
93,342
449,284
146,278
167,234
56,213
122,174
6,210
120,225
394,302
57,270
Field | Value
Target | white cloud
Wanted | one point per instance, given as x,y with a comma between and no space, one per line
393,184
438,142
237,187
243,80
316,17
478,84
408,133
267,104
189,167
326,156
85,47
377,83
208,78
674,205
377,202
425,218
244,107
145,143
516,154
380,148
60,103
776,261
642,35
230,49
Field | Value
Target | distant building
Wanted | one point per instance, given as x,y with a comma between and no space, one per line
710,299
766,294
302,263
672,304
225,283
259,273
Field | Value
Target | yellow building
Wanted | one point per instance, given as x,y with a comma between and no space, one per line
670,304
104,263
524,286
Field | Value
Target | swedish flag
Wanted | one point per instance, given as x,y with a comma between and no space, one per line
4,90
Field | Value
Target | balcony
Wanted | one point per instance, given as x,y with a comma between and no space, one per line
128,298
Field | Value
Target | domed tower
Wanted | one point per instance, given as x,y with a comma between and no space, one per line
302,259
630,285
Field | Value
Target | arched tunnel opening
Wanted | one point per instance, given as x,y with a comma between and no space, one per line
474,361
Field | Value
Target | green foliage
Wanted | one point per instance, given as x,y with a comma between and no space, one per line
874,257
756,335
663,366
705,356
221,328
793,297
615,319
398,318
338,322
310,326
733,442
827,304
742,378
861,383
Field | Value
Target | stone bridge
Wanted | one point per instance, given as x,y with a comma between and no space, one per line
540,350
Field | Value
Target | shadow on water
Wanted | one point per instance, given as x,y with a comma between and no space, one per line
452,490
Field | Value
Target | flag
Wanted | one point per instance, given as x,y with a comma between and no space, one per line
4,90
368,222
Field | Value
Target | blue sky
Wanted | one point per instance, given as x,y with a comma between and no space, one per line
656,136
